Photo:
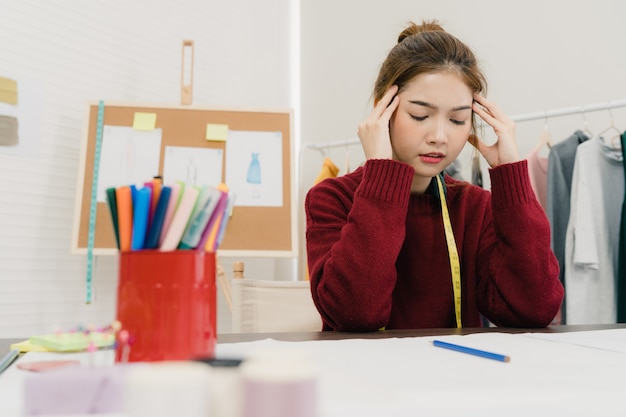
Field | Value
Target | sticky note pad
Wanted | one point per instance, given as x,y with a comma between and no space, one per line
76,341
8,90
26,346
144,121
216,132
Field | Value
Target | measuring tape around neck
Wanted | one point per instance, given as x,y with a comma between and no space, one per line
94,202
455,266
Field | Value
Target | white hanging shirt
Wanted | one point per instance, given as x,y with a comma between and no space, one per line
592,237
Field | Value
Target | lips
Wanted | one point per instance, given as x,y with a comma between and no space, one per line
432,158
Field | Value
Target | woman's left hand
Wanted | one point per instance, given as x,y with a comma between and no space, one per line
504,150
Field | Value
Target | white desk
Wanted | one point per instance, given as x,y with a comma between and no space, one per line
573,374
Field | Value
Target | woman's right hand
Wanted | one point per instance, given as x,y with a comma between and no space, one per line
374,131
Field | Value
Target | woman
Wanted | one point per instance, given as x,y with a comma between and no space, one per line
385,251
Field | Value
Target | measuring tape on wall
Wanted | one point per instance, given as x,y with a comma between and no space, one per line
94,202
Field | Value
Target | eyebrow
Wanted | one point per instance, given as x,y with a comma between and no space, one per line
432,106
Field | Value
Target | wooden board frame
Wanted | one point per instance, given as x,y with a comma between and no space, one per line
251,231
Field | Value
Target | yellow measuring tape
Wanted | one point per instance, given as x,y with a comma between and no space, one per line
455,266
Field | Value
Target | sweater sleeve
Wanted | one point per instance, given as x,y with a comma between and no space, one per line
351,263
518,273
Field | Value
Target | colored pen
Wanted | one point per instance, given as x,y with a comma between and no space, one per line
123,196
157,186
152,239
112,203
149,185
211,229
180,220
205,207
141,212
225,218
471,351
171,209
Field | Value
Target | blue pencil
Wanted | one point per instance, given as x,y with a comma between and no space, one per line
8,359
471,351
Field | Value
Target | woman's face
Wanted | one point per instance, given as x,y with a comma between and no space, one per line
431,124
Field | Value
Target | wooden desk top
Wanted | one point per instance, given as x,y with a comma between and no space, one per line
307,336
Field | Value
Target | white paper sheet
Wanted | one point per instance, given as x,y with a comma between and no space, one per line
193,166
127,157
405,376
254,167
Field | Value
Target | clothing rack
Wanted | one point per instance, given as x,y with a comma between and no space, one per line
565,111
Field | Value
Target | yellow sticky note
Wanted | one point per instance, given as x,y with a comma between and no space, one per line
144,121
216,132
8,90
26,346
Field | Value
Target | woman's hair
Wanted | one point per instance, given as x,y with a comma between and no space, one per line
427,48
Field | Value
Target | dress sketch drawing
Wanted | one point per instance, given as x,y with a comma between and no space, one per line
254,173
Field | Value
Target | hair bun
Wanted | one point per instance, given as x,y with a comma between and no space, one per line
413,29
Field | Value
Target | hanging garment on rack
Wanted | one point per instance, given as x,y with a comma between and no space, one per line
538,172
477,173
329,170
592,237
454,170
621,264
560,170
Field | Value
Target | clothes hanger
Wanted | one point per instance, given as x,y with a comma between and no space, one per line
586,125
545,139
615,140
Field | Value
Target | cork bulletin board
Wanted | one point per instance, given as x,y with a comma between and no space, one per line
251,230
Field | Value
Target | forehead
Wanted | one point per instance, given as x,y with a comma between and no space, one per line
438,88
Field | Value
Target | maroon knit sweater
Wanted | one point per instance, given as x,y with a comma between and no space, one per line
377,253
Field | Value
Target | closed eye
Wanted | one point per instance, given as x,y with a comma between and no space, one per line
458,122
418,118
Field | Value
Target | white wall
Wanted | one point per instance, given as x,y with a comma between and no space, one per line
77,51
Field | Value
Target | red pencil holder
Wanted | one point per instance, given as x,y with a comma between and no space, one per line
166,305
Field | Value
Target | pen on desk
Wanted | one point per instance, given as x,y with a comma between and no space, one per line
471,351
8,359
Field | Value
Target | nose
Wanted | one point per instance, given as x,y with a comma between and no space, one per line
438,134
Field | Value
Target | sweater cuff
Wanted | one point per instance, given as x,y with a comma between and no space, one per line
387,180
510,185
